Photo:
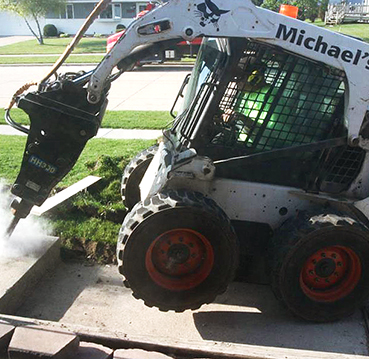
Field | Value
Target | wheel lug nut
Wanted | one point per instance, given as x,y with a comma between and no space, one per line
339,264
323,255
336,274
314,261
317,280
334,255
311,272
327,281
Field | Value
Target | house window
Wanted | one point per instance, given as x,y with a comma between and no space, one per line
141,8
70,11
81,11
129,10
117,11
107,13
53,15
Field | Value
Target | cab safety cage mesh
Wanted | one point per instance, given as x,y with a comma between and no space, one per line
274,99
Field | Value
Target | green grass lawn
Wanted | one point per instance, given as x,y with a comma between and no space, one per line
12,147
55,46
153,120
72,59
356,30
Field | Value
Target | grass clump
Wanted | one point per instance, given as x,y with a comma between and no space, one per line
90,225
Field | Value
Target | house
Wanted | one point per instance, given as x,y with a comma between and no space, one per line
76,11
342,11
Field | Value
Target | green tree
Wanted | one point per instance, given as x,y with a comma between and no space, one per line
32,9
323,8
257,2
274,4
308,9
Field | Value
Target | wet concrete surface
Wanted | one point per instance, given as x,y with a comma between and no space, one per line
93,296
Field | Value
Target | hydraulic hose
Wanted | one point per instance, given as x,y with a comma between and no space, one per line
90,19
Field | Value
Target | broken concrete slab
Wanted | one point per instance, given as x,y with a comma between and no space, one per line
64,195
138,354
93,351
31,342
6,332
20,275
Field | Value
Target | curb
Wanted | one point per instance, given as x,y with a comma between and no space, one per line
22,275
178,348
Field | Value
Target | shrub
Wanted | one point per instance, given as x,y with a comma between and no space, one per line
120,27
50,30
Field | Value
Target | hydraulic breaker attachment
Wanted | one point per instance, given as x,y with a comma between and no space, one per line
62,121
20,210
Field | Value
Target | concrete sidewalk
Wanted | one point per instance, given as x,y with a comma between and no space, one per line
109,133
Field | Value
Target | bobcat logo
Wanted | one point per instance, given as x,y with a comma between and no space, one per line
209,13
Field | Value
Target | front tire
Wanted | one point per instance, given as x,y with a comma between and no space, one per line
177,251
321,266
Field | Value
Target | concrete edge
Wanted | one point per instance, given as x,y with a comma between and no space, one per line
18,293
210,349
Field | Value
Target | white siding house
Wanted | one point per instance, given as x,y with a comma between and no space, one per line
76,11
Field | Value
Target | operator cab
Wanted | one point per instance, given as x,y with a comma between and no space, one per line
274,109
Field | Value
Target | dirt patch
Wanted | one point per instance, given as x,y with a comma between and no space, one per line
82,249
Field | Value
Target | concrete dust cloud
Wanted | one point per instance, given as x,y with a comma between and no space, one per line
29,236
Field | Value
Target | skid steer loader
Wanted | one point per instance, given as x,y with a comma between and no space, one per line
271,141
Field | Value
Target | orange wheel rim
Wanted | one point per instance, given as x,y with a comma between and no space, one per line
179,259
330,274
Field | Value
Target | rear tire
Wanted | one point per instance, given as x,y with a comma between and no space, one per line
177,250
133,174
321,264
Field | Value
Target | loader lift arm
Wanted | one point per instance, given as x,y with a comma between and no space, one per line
241,18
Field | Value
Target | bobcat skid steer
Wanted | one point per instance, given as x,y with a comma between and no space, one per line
272,135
